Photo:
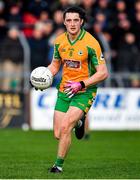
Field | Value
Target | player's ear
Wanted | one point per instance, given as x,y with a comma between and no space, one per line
64,23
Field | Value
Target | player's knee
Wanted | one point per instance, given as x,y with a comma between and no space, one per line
66,128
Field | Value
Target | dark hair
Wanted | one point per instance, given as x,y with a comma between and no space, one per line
76,9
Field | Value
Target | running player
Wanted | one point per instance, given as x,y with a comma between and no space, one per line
83,68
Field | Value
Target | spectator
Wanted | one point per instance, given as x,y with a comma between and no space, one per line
57,32
47,29
58,18
104,39
44,16
38,47
15,16
89,6
61,4
37,6
137,6
12,60
103,6
29,20
101,18
128,55
121,28
121,6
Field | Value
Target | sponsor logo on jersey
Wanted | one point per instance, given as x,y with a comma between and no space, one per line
101,56
72,63
80,52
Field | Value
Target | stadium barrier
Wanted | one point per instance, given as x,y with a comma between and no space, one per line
113,109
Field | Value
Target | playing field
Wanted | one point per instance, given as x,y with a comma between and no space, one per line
105,155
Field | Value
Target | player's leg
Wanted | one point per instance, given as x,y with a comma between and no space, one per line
86,127
84,102
58,116
80,128
68,122
61,108
74,110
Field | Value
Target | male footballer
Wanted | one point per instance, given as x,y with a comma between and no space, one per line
84,67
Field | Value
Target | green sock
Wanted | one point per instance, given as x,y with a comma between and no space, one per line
59,162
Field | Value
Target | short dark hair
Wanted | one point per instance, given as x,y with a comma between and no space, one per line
76,9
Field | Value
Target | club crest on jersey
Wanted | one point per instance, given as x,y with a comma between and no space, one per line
71,50
80,52
101,56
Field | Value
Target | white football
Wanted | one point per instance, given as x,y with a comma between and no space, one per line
41,78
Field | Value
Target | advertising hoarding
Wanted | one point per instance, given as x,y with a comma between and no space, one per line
11,109
113,109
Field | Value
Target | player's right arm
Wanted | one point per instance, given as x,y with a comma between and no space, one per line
55,66
56,61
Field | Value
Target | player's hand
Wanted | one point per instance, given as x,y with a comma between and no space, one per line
71,88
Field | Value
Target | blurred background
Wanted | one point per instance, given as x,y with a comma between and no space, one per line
27,33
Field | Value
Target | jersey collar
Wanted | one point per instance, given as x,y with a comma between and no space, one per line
81,35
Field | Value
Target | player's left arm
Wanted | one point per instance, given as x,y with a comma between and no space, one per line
100,75
99,63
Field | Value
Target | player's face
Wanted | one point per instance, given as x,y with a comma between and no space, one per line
73,23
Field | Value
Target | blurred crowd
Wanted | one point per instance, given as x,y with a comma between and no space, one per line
114,23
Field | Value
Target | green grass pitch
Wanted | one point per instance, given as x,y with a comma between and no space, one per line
107,154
